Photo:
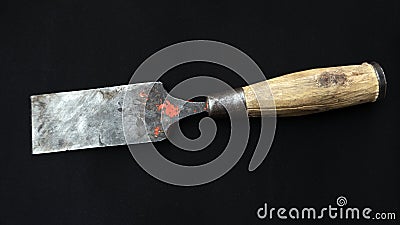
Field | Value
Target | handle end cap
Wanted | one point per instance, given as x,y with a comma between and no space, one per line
381,80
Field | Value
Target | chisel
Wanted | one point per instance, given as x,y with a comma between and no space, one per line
93,118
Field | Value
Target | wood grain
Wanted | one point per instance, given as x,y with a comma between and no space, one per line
313,91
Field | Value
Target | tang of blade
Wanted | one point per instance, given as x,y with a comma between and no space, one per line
127,114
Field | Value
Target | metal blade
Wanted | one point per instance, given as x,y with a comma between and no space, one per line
98,117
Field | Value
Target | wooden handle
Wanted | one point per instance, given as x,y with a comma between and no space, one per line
310,91
316,90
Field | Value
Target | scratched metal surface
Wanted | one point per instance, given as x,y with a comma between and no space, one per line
98,117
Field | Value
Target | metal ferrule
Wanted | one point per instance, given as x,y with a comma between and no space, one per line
233,100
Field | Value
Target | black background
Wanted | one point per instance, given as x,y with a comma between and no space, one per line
71,45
